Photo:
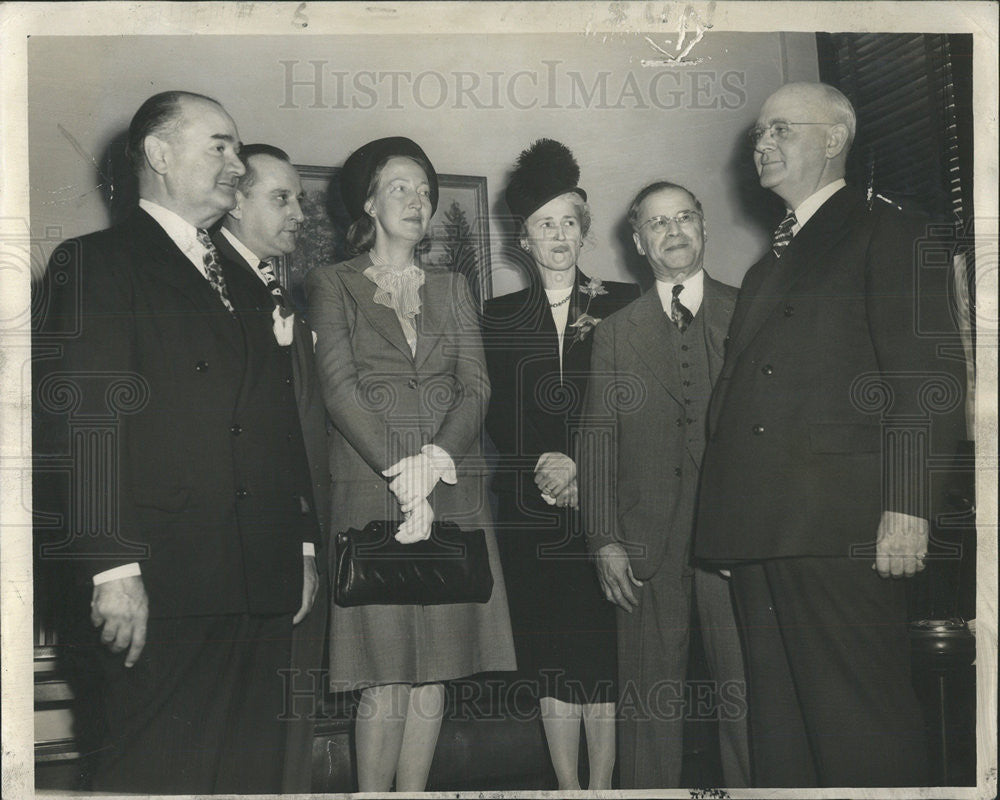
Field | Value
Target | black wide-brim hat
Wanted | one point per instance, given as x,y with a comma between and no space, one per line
544,171
357,172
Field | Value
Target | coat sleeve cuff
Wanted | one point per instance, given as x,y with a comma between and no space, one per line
443,463
116,573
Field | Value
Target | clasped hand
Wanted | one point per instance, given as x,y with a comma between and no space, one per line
416,526
413,479
555,477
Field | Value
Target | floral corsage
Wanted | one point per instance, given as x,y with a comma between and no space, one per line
585,323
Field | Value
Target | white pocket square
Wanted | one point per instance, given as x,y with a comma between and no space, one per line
284,327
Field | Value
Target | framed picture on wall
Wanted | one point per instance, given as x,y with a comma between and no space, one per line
459,237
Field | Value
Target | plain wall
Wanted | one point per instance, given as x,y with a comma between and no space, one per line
627,123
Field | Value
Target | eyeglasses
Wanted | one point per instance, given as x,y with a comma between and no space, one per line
660,223
779,130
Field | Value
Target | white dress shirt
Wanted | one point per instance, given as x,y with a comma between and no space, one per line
691,297
181,232
248,255
812,203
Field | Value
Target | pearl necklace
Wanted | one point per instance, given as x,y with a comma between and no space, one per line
561,302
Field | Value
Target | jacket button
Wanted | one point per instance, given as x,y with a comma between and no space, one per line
757,430
767,369
201,366
289,437
242,494
684,347
678,422
685,365
789,310
677,471
236,429
412,383
288,381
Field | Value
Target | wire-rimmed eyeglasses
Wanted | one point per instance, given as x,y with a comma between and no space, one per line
779,130
660,222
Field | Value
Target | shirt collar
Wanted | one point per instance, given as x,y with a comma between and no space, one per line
380,263
248,255
691,297
181,232
179,229
812,203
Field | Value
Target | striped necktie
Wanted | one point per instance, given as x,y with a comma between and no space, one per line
783,235
213,269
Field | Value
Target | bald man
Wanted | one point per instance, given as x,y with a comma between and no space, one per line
815,484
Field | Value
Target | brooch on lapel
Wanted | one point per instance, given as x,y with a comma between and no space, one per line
585,323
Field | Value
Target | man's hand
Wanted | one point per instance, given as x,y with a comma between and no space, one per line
122,608
615,574
568,497
554,472
900,545
310,583
414,477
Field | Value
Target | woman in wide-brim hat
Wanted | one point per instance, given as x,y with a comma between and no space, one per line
404,381
538,344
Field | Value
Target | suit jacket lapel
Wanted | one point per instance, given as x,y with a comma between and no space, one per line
649,337
163,261
226,250
382,319
717,309
806,250
434,309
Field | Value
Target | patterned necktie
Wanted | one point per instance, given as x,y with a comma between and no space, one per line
277,290
783,235
213,269
680,314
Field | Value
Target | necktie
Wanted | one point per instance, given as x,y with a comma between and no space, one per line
277,290
783,235
213,269
680,314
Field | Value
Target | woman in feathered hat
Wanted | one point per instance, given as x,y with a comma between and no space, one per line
403,378
538,351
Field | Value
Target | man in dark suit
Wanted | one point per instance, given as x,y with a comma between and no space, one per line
196,588
832,396
262,226
653,366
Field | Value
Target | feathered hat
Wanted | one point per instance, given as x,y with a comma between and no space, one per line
545,170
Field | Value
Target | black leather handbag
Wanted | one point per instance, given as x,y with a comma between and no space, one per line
372,568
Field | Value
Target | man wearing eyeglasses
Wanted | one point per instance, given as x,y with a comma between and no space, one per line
653,366
815,482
